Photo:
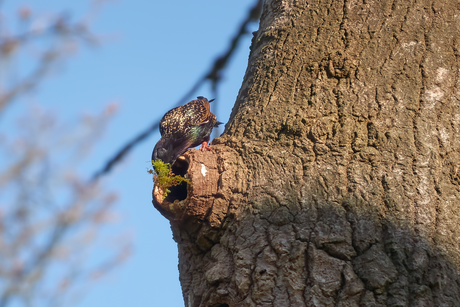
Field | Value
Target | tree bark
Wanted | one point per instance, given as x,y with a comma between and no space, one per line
337,179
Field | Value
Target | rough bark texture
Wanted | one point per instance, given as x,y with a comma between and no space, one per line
338,179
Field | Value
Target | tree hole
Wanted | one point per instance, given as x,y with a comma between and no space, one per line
180,167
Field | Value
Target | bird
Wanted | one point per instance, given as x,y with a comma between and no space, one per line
185,127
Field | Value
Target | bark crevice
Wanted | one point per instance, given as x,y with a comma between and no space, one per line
338,170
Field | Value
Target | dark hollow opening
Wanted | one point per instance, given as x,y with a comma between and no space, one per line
179,192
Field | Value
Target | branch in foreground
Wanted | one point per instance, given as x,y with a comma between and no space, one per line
212,75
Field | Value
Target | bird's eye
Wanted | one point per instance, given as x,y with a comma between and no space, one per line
162,153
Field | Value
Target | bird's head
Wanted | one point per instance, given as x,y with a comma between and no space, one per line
162,151
166,151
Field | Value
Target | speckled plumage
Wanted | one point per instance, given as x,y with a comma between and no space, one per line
184,127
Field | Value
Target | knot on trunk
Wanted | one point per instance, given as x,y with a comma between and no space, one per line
200,200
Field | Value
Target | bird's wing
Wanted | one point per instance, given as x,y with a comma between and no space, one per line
182,118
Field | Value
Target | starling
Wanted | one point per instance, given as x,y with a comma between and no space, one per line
185,127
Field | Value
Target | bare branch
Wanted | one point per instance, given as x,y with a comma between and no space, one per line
60,27
45,207
213,75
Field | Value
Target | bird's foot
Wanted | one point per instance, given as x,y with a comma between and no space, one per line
204,146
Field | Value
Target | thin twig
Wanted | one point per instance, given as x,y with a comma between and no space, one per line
213,75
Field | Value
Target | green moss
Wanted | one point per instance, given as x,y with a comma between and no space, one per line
164,177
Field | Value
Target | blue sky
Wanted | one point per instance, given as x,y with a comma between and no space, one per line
153,52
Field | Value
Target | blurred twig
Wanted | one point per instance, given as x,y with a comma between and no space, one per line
38,229
213,75
48,214
11,44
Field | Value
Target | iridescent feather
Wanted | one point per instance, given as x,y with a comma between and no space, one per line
185,127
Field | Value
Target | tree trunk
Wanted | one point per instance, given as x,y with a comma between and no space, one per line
336,180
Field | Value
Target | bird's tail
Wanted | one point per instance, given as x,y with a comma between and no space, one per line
201,97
